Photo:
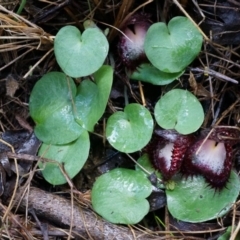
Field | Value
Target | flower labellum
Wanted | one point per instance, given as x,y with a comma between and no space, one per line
211,157
131,43
167,151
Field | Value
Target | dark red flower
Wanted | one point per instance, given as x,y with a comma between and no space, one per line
167,151
212,157
131,42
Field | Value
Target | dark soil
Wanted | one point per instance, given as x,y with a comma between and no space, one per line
33,209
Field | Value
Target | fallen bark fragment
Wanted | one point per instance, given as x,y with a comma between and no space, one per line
86,224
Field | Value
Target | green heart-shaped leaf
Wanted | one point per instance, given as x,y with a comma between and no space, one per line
80,55
131,130
192,200
179,109
120,196
91,99
148,73
172,48
72,156
50,106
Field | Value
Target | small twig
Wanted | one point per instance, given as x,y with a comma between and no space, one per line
189,17
15,220
232,127
210,83
141,93
234,2
228,110
15,59
29,157
200,11
23,123
37,63
52,10
85,221
16,184
205,139
135,10
217,112
145,170
234,235
43,227
233,219
214,74
72,203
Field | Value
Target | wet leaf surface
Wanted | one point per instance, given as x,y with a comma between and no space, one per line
131,130
51,107
119,196
171,48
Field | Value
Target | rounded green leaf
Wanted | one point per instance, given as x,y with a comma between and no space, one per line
192,200
92,97
172,48
80,55
50,106
131,130
120,195
148,73
71,156
179,109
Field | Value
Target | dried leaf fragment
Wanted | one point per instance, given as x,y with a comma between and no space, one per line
12,85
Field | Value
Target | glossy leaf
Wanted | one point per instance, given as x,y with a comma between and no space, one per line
92,97
71,156
50,106
131,130
120,195
180,110
80,54
172,48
